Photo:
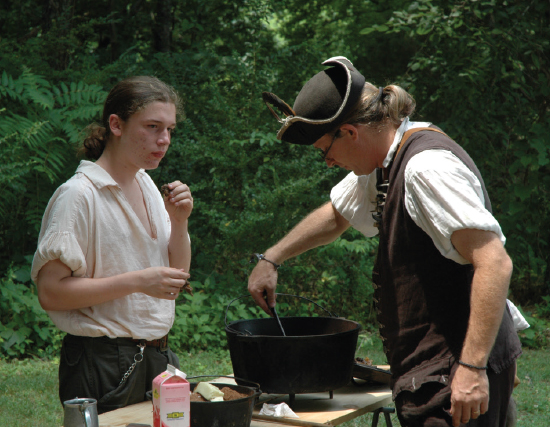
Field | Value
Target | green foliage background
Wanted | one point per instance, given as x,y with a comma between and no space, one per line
478,69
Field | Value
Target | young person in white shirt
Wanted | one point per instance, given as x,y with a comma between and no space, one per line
113,254
442,273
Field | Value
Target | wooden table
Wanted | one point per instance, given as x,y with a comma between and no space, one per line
313,409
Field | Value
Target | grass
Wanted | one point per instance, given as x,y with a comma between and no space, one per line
533,394
28,388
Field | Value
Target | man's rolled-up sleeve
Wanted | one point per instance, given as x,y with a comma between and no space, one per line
354,198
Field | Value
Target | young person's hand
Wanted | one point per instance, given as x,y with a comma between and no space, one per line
163,282
179,202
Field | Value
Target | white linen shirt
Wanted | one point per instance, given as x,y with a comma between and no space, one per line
90,226
441,195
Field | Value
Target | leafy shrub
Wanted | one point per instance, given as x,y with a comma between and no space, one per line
25,328
538,333
39,130
200,319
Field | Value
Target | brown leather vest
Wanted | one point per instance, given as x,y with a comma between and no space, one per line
422,297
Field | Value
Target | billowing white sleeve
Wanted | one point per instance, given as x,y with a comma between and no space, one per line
442,196
64,231
355,199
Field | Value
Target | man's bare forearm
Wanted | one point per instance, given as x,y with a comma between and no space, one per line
487,305
322,226
492,271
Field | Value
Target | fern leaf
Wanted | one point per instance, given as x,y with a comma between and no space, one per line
72,131
42,97
9,87
87,112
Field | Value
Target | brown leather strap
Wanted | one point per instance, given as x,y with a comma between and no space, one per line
408,134
161,343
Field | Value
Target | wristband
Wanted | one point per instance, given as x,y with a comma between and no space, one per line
262,257
480,368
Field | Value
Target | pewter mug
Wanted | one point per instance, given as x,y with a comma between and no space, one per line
80,412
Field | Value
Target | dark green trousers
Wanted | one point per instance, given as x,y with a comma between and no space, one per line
94,367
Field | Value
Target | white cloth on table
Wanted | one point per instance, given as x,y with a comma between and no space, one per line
278,410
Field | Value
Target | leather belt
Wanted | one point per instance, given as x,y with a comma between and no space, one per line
160,343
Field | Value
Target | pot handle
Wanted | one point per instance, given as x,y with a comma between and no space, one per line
286,295
226,376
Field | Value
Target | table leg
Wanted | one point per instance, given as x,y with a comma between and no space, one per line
387,411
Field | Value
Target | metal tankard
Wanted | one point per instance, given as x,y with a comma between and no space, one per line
80,412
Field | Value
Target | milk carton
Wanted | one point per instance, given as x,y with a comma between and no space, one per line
171,399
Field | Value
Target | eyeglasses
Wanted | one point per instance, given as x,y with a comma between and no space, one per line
324,153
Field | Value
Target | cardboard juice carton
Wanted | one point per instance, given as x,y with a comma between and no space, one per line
171,405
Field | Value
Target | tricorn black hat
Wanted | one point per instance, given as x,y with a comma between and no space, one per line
322,103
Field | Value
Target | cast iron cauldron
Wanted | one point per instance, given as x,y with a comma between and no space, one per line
231,413
316,355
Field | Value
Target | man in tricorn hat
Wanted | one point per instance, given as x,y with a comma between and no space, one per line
441,274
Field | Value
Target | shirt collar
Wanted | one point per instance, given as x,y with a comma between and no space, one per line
99,176
405,126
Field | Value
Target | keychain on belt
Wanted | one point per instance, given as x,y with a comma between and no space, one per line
138,357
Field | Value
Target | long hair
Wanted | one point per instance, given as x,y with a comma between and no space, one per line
378,108
126,98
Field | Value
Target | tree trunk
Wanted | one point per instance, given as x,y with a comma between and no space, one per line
114,36
162,28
